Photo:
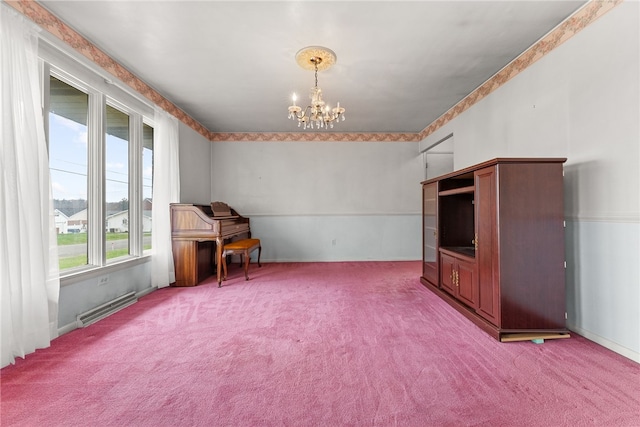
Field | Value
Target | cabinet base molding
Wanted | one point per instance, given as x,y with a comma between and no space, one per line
537,338
491,329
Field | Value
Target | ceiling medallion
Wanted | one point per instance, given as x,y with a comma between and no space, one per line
318,114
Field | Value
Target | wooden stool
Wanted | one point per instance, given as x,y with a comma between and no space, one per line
244,249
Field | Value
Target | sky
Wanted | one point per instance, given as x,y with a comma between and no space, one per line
68,158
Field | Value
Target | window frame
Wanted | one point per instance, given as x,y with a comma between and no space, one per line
57,61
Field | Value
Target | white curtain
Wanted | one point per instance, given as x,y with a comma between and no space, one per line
166,189
29,275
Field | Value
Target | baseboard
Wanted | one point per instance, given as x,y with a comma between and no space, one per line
74,325
615,347
146,291
67,328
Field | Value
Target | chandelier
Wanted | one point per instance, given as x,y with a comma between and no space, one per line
318,114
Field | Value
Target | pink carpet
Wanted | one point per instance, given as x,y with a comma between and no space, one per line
313,344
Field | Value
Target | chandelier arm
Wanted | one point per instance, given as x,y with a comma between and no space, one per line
302,114
305,112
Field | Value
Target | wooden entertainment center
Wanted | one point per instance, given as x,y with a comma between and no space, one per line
493,246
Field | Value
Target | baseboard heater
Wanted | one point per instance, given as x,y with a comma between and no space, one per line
106,309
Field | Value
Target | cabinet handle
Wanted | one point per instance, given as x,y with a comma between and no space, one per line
457,278
475,241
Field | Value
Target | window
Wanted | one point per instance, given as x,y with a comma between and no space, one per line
68,160
117,184
147,184
101,163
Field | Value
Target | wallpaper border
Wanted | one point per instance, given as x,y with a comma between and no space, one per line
590,12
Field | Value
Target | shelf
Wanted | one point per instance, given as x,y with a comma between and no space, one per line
468,251
461,190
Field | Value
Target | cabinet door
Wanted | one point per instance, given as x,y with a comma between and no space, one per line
466,283
429,237
447,271
459,278
486,242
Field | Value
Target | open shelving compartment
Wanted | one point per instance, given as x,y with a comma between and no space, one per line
457,214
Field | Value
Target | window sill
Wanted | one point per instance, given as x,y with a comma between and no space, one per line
91,272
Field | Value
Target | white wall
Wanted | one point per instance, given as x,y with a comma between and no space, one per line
581,101
324,201
195,166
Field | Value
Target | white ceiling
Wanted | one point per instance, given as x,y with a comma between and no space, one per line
231,64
